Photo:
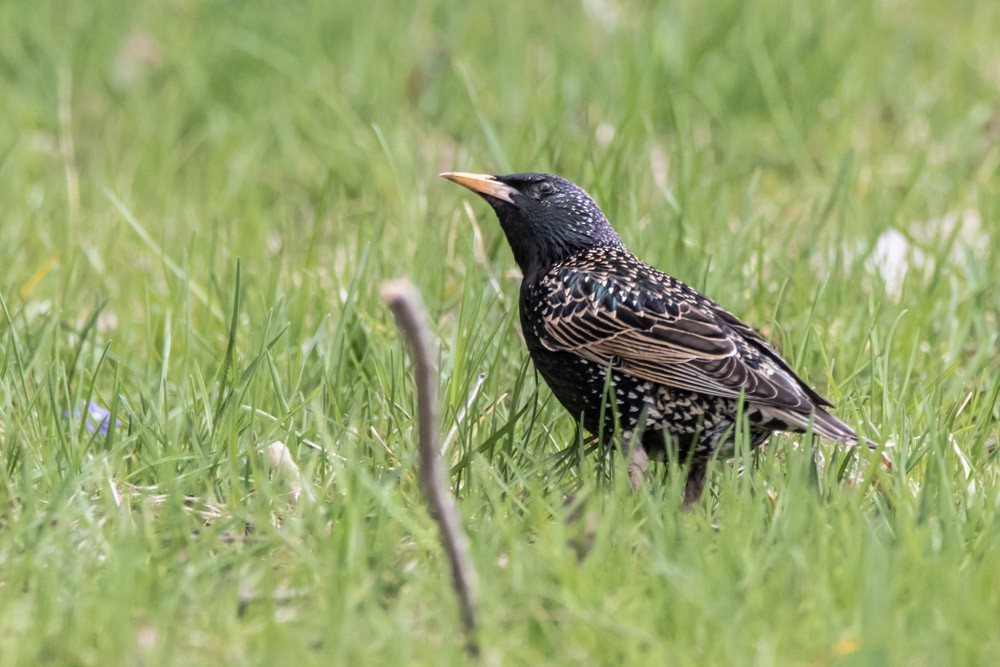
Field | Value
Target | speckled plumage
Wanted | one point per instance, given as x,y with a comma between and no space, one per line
679,362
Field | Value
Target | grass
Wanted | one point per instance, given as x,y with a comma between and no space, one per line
200,200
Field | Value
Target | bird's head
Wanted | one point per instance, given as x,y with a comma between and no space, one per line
544,217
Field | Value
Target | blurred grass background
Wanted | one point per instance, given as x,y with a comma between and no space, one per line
828,171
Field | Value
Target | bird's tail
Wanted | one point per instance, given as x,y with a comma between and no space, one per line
823,424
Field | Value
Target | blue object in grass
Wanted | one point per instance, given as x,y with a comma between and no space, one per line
97,418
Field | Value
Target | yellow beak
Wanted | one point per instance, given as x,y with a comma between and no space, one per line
483,184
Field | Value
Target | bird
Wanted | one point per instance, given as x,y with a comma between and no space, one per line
612,335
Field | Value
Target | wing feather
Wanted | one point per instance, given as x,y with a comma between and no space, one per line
652,327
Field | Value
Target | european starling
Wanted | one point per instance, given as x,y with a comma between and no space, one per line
679,363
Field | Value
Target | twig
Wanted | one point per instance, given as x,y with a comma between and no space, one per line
461,413
404,302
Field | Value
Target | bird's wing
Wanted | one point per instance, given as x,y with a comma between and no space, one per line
659,330
758,341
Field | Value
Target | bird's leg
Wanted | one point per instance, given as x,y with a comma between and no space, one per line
638,464
635,454
695,484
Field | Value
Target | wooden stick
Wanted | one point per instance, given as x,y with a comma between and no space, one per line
404,302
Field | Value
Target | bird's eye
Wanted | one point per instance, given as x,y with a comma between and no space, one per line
544,189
